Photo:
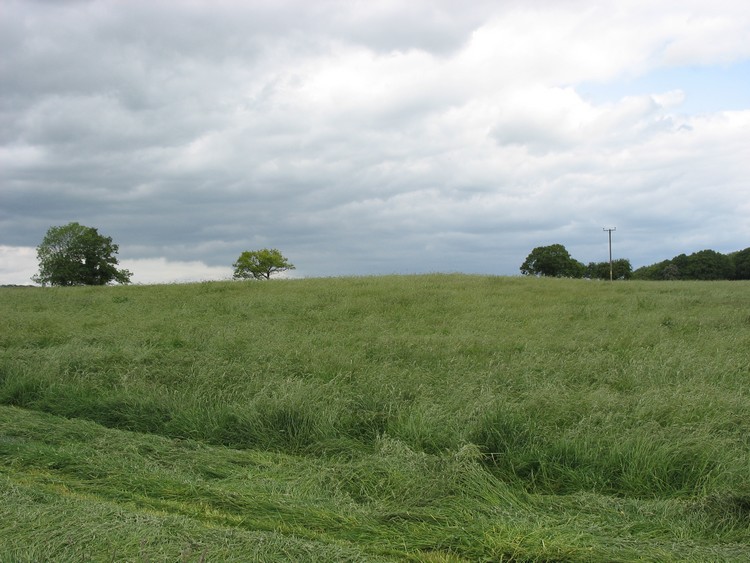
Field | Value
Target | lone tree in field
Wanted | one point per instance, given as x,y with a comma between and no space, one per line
78,255
260,264
554,261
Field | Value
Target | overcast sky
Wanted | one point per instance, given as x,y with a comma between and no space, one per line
374,137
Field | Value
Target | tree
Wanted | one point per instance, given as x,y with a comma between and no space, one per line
670,272
702,265
260,264
741,260
708,265
553,260
77,255
664,270
621,270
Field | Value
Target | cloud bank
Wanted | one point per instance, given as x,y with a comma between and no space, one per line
369,138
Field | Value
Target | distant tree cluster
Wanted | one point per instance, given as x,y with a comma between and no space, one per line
555,261
702,265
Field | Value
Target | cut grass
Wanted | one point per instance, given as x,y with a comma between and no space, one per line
80,491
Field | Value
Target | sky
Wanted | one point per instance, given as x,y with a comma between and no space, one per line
373,137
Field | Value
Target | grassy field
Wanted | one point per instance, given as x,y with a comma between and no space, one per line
426,418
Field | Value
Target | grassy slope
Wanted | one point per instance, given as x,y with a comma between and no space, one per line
433,417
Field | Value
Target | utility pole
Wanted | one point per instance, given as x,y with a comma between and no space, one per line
609,231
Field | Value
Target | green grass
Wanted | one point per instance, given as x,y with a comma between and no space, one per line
431,418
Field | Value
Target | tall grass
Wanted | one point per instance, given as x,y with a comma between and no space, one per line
635,389
422,395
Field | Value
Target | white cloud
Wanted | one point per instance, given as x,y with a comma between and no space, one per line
161,270
17,265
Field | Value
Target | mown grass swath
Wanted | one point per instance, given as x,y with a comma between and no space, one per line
439,417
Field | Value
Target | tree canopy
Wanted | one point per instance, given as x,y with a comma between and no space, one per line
741,261
553,260
73,254
701,265
260,264
621,270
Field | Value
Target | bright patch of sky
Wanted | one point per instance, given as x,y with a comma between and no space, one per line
695,89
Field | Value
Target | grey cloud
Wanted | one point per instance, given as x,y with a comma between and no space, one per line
357,138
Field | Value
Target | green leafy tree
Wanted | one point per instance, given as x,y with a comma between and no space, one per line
621,270
554,261
664,270
669,272
741,260
77,255
260,264
708,265
702,265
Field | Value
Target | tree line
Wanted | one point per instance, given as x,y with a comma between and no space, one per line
555,261
701,265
